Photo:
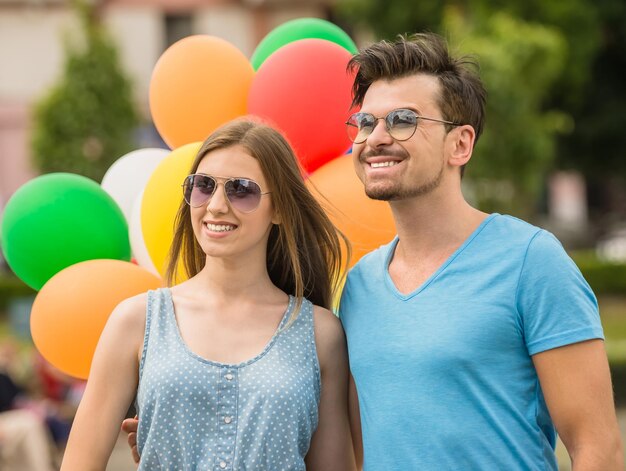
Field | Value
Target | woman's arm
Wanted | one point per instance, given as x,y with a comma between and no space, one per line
331,447
110,389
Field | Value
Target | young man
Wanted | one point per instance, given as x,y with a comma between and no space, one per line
471,336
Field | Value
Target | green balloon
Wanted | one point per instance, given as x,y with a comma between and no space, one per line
302,28
57,220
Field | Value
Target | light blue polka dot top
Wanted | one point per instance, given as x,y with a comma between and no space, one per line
196,414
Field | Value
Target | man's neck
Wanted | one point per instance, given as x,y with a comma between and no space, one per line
433,223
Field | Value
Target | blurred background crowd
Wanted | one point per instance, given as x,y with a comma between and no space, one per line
37,405
74,87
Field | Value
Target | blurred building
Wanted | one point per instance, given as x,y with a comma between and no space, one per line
32,53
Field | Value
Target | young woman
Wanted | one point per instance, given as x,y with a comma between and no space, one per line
242,366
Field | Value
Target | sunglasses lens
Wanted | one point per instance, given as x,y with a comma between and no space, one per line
401,124
198,189
243,194
359,126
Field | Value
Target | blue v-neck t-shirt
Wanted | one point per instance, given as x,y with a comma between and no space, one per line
444,374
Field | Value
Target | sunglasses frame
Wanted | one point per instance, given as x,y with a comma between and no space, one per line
224,181
388,126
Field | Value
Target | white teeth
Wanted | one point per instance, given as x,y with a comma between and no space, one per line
389,163
220,227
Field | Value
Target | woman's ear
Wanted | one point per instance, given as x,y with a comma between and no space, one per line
276,219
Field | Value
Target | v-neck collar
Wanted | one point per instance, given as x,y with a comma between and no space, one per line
392,248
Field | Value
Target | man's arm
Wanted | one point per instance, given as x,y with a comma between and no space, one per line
576,384
355,423
130,426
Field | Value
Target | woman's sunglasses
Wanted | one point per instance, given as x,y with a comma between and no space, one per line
242,194
400,124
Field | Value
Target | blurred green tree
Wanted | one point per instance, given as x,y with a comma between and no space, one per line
597,147
579,21
87,119
520,62
584,103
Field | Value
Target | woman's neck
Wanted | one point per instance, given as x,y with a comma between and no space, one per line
226,279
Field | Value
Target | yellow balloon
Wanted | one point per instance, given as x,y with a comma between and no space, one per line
339,285
161,200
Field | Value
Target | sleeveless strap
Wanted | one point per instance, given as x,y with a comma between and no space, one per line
153,305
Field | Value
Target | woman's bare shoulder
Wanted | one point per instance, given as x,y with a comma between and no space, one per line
329,336
131,312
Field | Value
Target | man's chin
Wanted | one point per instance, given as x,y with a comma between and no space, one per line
381,194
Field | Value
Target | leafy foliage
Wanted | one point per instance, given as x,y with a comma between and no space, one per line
597,146
519,63
12,287
570,111
605,277
577,20
86,121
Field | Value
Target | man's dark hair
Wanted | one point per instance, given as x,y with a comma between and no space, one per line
463,95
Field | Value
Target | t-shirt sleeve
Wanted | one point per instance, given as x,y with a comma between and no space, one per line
555,303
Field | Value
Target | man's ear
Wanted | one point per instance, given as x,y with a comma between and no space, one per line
461,143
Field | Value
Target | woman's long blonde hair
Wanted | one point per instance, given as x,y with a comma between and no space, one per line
304,250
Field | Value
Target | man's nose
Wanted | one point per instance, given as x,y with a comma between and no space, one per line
379,135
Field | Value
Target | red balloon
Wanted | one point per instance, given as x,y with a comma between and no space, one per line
305,91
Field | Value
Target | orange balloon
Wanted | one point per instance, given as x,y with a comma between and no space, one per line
71,309
198,84
367,223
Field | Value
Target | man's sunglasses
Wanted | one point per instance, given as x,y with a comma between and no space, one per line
242,194
400,124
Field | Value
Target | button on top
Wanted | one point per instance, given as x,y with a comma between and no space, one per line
222,464
229,376
228,419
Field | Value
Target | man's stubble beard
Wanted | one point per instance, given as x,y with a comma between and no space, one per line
396,193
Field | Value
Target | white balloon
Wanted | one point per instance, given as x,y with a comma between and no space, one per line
137,244
129,174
